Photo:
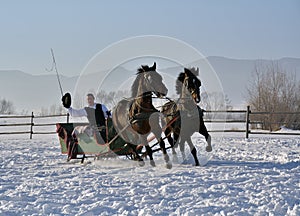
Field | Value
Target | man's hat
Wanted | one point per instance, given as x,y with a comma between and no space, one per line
66,100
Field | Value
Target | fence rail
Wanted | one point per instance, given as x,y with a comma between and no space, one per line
246,118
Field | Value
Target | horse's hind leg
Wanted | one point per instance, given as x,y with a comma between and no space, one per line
150,154
208,147
193,151
137,156
171,141
181,147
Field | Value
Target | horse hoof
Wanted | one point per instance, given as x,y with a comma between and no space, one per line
141,163
166,158
169,166
208,148
152,163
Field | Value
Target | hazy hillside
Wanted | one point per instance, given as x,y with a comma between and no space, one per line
33,92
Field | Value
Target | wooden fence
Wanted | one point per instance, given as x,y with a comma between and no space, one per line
31,124
244,117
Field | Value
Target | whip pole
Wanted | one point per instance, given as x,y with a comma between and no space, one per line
57,75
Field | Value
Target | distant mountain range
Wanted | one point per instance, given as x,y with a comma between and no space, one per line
31,92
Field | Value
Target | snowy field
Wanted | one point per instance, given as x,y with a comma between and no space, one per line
258,176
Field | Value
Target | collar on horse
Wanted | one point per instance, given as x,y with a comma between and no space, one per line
134,115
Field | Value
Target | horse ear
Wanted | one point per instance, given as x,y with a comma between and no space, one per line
154,66
196,73
186,71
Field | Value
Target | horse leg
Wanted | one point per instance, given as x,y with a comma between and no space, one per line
163,148
150,154
208,147
166,156
204,132
171,141
137,156
157,130
193,151
176,138
181,146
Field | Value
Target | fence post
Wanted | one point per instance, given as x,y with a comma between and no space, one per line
68,117
31,127
247,121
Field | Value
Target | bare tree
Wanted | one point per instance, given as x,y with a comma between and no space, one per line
56,109
78,101
272,89
6,107
111,98
44,111
215,101
52,109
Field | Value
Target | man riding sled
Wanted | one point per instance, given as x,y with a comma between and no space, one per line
97,115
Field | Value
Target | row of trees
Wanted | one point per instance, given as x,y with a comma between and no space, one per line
7,108
54,109
272,89
110,99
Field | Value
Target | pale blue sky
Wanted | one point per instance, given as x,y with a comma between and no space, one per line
77,30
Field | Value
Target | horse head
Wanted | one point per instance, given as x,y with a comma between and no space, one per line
148,80
188,84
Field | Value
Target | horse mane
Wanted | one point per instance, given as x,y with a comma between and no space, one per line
143,68
136,85
190,72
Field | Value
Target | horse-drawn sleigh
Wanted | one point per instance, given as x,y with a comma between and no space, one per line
127,132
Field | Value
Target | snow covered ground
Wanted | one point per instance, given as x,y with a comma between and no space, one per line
258,176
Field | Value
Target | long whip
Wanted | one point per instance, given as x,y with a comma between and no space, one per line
57,75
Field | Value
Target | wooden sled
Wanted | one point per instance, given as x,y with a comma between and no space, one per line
80,141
